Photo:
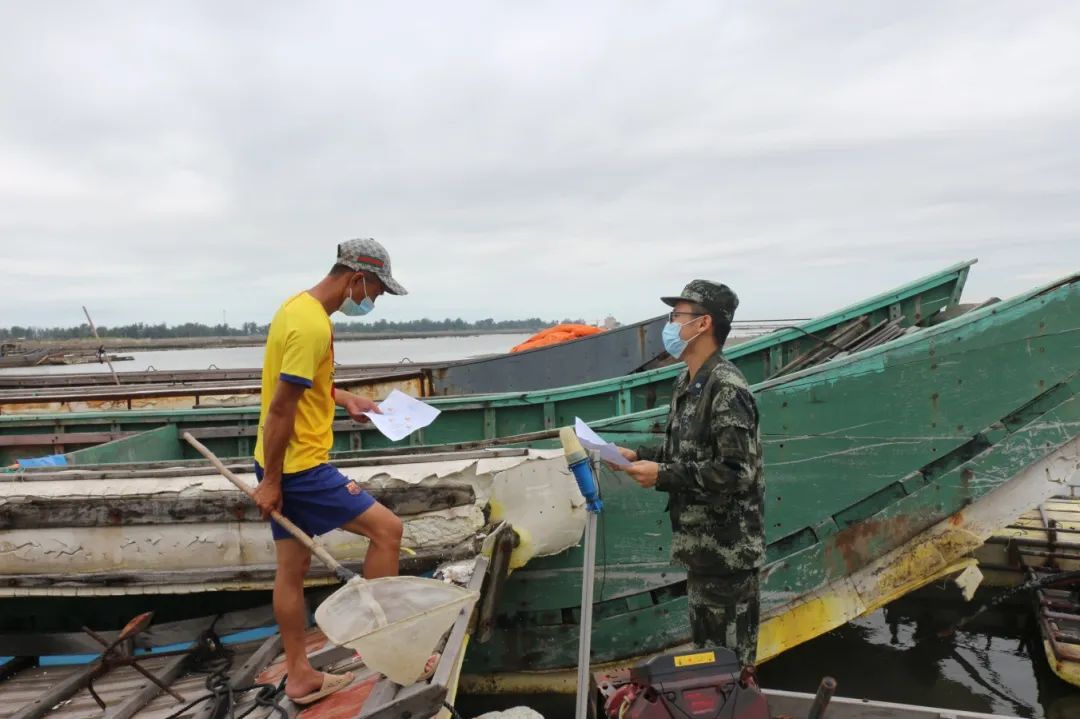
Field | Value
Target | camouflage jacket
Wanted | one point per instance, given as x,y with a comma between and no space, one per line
710,466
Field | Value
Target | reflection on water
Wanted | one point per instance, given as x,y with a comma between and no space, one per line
894,658
898,655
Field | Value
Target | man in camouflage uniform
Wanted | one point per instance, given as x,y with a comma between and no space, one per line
710,466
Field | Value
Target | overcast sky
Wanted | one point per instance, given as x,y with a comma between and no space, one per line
167,161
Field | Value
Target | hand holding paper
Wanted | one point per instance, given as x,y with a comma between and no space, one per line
402,415
595,443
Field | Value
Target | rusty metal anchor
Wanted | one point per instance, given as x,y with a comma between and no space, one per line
113,657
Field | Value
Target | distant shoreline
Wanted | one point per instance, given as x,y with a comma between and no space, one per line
124,344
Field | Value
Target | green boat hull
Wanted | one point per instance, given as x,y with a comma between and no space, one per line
85,436
861,456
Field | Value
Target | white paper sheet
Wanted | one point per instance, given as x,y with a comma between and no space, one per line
594,442
402,415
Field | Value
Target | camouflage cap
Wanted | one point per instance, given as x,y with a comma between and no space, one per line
368,255
716,298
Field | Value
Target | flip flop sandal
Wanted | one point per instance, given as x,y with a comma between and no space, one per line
330,684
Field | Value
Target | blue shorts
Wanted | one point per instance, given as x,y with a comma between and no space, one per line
318,500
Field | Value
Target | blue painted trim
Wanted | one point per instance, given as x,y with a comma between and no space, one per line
248,635
293,379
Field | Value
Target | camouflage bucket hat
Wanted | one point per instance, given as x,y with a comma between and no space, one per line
716,298
368,255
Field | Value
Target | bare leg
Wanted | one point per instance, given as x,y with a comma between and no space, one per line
293,562
383,529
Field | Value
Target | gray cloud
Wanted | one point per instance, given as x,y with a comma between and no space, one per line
164,162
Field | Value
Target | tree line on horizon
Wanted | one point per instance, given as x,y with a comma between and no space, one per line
141,330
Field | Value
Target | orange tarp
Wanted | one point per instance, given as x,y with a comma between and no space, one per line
555,335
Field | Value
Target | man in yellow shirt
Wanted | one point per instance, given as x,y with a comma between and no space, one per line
293,449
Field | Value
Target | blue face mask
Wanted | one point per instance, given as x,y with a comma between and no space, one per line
353,308
673,342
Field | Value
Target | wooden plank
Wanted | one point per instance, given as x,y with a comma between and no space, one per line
346,425
368,385
328,655
53,439
199,376
499,570
148,691
866,338
245,674
1064,525
199,468
419,700
14,665
1062,617
1038,538
168,508
1031,554
827,347
1063,636
383,693
41,706
1066,507
455,643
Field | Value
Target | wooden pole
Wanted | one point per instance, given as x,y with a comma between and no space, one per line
94,330
300,535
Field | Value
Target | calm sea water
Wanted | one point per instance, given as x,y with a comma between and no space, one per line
427,349
896,655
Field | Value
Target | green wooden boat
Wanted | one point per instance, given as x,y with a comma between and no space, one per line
884,470
231,432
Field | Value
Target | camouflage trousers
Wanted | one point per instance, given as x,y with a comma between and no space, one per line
724,611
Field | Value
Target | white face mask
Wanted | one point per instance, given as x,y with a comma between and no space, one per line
352,308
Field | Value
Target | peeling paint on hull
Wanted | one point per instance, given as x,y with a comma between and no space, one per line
940,552
151,556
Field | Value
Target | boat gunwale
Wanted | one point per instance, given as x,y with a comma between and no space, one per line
927,333
202,467
613,423
959,271
555,394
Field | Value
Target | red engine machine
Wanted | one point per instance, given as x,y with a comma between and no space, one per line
705,684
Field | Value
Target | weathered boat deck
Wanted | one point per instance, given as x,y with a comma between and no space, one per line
1039,547
60,691
247,678
1047,537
